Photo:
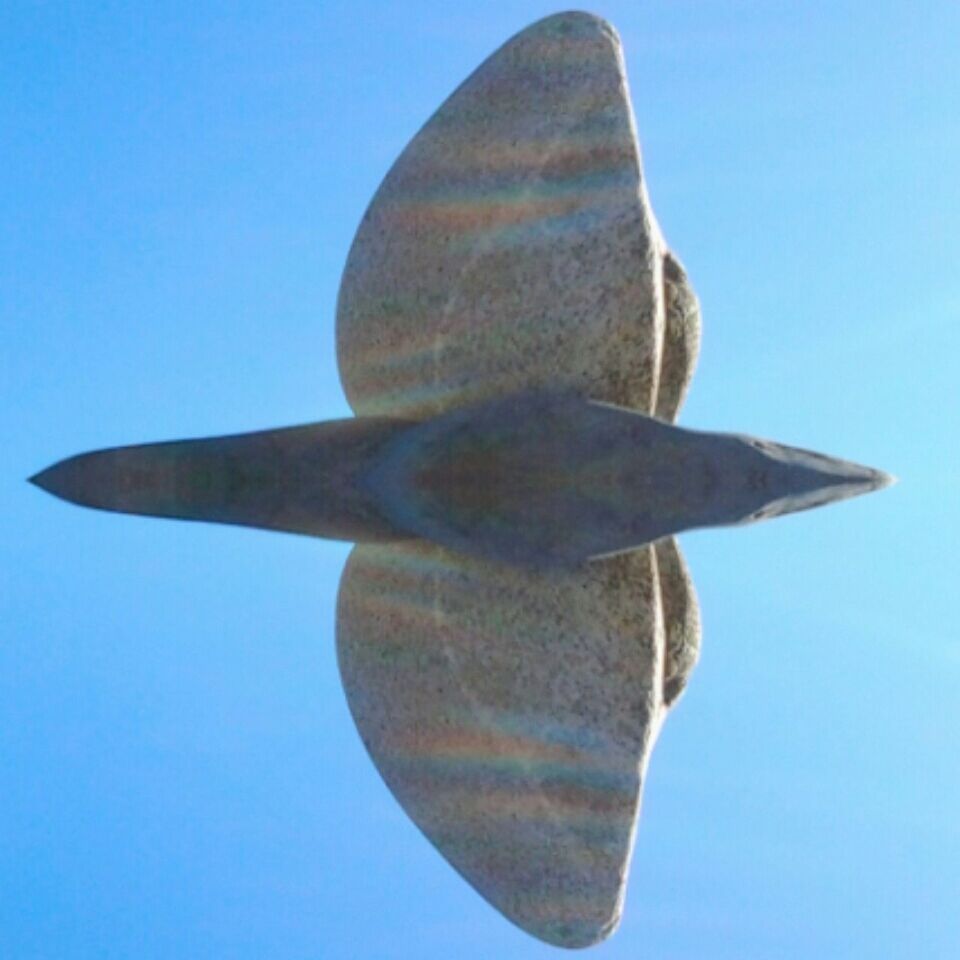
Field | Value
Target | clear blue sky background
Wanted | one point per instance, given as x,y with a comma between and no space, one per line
179,185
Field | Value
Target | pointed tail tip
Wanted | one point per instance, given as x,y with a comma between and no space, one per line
56,481
41,479
96,479
69,480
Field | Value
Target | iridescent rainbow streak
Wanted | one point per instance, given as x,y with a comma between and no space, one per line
521,759
488,224
514,772
403,598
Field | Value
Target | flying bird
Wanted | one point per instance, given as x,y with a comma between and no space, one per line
515,338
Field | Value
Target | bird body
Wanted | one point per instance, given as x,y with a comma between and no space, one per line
540,479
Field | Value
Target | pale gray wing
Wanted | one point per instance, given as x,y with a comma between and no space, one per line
512,245
512,715
681,619
681,339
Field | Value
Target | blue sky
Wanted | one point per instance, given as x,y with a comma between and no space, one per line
180,776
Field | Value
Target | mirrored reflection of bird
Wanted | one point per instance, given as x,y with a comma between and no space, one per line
515,339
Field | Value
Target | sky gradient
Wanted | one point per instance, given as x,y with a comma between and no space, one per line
180,776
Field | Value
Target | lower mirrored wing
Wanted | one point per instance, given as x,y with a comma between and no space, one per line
512,714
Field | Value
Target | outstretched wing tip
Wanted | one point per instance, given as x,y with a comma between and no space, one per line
575,938
575,20
589,935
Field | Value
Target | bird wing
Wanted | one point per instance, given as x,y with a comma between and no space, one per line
512,245
512,715
681,339
681,619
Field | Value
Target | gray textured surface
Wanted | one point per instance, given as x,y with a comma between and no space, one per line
512,245
512,715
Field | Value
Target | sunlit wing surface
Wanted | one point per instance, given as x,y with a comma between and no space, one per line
512,246
512,714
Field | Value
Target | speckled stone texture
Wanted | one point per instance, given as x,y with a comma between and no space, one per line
512,245
512,715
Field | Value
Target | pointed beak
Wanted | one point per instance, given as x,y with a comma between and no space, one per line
802,479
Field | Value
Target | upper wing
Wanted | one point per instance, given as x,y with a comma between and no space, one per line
512,245
681,339
512,714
